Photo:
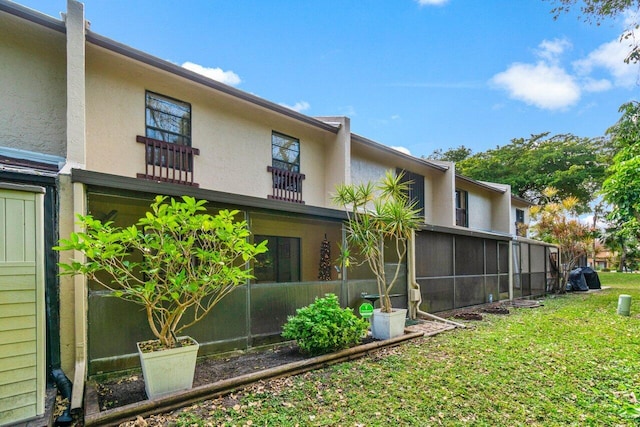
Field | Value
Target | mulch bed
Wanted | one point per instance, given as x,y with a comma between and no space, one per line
468,315
496,310
130,389
502,308
126,390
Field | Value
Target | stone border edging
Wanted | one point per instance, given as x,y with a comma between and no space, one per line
219,388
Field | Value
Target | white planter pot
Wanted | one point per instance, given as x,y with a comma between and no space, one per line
388,325
168,371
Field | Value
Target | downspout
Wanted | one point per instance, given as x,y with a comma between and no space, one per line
63,384
65,387
413,288
76,158
80,309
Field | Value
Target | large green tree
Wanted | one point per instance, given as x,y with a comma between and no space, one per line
573,165
598,11
623,244
621,188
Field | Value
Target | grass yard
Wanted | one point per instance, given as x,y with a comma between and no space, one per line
574,361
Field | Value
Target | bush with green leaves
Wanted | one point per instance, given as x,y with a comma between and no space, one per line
178,261
323,327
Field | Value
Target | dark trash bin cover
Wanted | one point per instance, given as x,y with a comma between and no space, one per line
577,281
593,281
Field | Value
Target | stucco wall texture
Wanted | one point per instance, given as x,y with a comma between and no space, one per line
32,107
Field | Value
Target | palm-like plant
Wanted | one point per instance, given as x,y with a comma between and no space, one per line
379,213
557,222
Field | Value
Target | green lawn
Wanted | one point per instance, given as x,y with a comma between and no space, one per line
574,361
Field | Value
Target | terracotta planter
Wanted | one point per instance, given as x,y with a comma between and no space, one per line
168,371
388,325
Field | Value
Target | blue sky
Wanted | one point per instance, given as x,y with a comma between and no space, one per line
416,74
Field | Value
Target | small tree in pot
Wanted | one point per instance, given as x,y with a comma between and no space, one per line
177,262
378,214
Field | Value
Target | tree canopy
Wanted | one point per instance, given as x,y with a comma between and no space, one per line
574,166
621,187
597,11
451,155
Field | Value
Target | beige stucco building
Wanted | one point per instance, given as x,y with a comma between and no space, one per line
88,125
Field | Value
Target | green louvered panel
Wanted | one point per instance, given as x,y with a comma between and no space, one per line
19,305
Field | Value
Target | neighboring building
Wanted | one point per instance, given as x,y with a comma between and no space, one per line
604,258
98,127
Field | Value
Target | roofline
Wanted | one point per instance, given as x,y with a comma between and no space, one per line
481,184
389,150
463,231
110,181
177,70
32,15
534,241
138,55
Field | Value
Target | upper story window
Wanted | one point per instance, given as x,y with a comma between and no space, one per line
168,119
416,188
462,212
285,168
168,151
521,227
285,152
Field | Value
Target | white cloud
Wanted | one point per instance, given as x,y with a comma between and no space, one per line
593,85
226,77
550,50
299,106
547,84
542,85
610,57
431,2
402,150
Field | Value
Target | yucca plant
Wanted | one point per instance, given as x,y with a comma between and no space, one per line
377,214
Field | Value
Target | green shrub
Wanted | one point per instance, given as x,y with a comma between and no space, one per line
324,327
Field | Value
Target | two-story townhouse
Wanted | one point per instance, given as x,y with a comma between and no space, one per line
98,127
452,263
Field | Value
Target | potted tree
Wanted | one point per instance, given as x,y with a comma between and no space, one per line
177,262
380,214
